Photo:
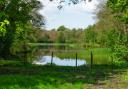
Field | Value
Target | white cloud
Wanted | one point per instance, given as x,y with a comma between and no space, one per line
83,7
68,14
52,6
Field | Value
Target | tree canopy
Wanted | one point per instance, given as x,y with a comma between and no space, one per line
16,15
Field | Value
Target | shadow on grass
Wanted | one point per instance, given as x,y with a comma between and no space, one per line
33,77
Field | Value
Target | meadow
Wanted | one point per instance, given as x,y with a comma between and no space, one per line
29,76
15,75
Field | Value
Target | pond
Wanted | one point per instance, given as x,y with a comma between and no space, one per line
44,60
42,55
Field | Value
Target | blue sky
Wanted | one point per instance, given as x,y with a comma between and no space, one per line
73,16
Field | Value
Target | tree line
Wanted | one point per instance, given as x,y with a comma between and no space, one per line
20,24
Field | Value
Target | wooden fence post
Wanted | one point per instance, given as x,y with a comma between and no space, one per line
51,58
91,59
76,59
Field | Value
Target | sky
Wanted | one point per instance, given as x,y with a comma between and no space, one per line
71,16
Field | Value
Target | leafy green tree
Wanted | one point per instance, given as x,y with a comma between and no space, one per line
62,28
120,10
113,31
61,37
3,27
19,13
90,35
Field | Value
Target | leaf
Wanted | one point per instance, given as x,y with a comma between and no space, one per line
6,22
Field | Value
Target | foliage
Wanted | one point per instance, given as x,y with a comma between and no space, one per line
3,27
61,37
90,35
120,10
19,13
121,52
62,28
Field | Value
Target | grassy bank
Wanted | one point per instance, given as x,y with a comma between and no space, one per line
57,77
16,75
100,55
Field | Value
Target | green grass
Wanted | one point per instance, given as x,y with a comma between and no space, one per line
100,55
15,75
125,76
56,77
9,62
51,44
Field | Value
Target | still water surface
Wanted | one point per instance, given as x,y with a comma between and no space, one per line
65,56
60,62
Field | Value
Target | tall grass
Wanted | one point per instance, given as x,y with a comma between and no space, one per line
100,55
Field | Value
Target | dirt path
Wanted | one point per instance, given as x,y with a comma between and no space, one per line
119,81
